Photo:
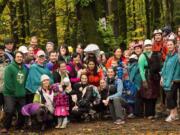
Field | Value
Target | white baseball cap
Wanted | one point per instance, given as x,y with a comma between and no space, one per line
44,77
23,49
41,53
147,42
157,31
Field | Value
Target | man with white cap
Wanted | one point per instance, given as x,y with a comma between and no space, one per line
35,72
149,90
158,44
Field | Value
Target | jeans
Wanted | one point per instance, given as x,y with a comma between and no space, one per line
12,104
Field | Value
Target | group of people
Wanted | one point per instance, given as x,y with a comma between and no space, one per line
56,86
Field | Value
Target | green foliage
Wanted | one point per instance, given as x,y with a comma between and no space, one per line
107,33
84,3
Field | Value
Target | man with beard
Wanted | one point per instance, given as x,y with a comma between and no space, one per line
14,91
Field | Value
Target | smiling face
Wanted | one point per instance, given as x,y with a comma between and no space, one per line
18,58
148,48
34,42
63,51
84,79
41,59
49,47
45,83
62,68
138,50
9,46
102,84
158,37
118,53
53,57
79,49
91,65
110,73
170,46
76,60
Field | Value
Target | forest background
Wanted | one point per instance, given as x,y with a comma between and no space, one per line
108,23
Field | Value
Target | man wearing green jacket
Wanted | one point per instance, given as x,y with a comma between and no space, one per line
14,91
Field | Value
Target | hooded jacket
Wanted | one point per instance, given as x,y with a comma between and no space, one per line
14,80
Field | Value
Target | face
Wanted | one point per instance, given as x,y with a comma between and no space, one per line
126,54
79,49
91,65
31,51
19,58
49,47
41,59
84,79
110,73
45,83
118,53
34,42
158,37
76,60
53,57
102,84
179,31
138,50
1,53
9,46
148,48
170,46
62,67
63,51
103,59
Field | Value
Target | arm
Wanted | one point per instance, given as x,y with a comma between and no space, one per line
8,83
141,64
119,89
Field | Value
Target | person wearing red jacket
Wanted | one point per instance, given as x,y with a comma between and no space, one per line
94,75
158,44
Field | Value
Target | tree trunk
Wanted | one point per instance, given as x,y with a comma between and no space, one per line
14,21
122,20
88,23
22,33
27,18
52,22
148,28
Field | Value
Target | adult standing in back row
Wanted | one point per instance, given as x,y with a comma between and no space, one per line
14,91
149,91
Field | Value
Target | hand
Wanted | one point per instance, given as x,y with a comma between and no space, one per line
75,108
161,81
145,84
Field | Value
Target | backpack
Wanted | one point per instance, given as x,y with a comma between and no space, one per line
154,63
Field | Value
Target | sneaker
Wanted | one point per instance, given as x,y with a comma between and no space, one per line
119,122
150,117
131,116
169,119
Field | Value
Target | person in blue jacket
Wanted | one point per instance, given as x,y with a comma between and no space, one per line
36,70
170,80
114,99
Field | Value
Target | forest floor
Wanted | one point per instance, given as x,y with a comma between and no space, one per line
138,126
